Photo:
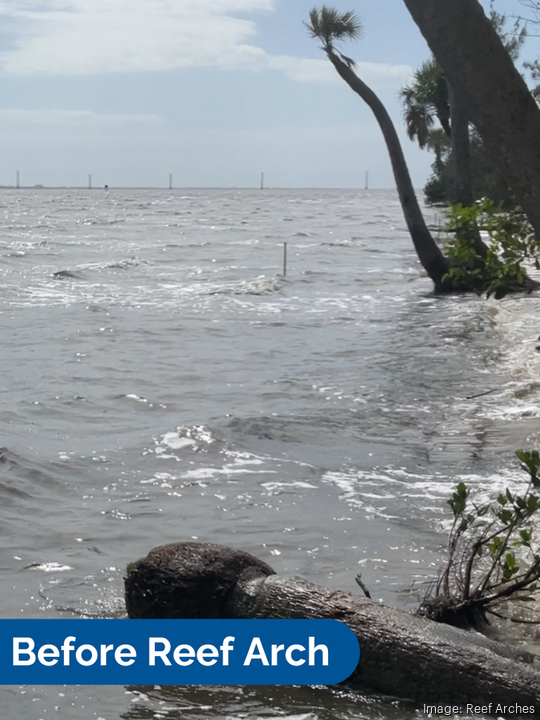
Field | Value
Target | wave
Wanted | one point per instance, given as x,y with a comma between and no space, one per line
259,286
24,471
88,597
394,493
101,221
351,243
182,246
29,485
204,459
67,275
196,438
127,263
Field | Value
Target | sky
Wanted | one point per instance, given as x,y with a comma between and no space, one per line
214,92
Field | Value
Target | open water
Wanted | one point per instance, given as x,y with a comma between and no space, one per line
161,381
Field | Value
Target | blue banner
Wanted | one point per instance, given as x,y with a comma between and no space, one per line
176,652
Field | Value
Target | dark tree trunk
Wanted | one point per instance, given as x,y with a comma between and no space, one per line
402,655
442,106
495,95
461,157
445,124
429,254
461,151
185,580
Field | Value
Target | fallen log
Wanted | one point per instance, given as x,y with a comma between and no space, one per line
402,655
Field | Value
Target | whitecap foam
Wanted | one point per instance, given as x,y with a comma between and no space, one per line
196,437
276,488
126,263
400,493
49,567
261,285
176,442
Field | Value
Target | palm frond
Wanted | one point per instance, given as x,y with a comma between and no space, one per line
407,94
330,26
423,100
418,123
348,61
313,26
438,140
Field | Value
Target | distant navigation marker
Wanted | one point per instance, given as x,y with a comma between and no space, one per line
366,186
89,182
262,181
18,181
170,181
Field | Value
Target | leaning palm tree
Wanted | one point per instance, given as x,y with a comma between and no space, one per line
330,27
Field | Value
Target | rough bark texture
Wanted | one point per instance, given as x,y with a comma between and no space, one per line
402,655
461,151
429,254
443,107
461,157
185,580
497,99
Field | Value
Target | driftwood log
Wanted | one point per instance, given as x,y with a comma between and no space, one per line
402,656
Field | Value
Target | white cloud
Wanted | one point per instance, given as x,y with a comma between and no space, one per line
94,37
55,117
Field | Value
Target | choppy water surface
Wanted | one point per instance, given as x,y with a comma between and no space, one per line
162,381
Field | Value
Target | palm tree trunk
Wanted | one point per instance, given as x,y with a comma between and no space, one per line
461,156
443,108
429,254
498,102
461,151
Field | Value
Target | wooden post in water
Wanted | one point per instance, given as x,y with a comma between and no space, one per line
170,181
366,187
285,259
18,181
262,181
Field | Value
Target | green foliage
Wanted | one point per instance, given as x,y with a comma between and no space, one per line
512,38
459,499
511,243
530,463
534,68
330,26
425,99
493,548
486,180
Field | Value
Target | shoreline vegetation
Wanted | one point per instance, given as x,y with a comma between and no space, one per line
467,263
